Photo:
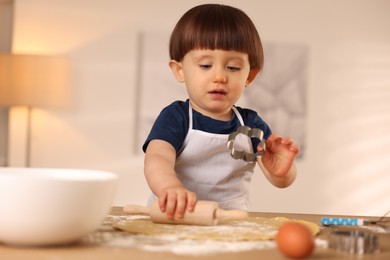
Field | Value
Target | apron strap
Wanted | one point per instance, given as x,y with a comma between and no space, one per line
190,115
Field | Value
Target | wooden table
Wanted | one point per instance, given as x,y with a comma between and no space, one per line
86,251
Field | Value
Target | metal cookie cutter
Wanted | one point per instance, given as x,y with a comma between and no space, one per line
251,133
353,242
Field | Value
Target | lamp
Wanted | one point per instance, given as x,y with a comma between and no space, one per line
33,81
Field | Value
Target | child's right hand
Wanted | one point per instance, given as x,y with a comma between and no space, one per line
176,200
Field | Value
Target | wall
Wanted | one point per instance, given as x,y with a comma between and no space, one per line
345,167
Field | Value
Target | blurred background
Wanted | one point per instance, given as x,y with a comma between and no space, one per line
337,56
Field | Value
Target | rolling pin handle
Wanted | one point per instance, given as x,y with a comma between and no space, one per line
136,209
230,214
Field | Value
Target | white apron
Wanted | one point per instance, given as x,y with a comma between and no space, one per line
206,167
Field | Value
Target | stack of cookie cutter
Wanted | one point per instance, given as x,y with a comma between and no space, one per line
350,238
353,242
251,133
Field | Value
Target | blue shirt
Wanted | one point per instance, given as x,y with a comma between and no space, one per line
173,122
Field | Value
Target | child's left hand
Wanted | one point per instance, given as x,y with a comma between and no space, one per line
279,155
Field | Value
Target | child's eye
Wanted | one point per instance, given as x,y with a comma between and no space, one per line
233,68
205,66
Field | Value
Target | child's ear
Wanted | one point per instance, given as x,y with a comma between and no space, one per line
177,69
252,75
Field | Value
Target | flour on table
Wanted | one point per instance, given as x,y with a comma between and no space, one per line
180,241
249,229
172,243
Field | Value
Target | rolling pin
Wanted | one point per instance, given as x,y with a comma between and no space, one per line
206,213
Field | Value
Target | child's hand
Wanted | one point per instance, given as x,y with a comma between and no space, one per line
176,200
279,155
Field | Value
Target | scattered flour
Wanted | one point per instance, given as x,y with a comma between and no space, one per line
172,243
110,219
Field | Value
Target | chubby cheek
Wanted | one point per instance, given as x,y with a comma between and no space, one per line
194,78
238,81
237,87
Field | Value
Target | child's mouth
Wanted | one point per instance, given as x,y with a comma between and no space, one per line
217,92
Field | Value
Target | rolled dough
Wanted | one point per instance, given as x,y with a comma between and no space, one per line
249,229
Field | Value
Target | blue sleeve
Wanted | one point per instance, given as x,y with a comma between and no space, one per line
171,125
258,122
253,120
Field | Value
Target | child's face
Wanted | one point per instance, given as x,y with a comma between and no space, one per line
215,80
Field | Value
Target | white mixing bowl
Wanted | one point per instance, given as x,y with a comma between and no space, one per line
40,207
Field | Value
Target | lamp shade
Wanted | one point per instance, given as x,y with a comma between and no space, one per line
33,80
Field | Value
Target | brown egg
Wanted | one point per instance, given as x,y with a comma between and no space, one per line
295,240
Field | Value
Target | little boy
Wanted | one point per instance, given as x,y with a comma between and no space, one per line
216,52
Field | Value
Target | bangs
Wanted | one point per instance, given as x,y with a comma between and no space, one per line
215,32
216,27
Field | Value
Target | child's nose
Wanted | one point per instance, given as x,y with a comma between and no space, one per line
219,76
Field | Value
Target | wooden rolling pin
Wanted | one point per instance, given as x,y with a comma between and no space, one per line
206,213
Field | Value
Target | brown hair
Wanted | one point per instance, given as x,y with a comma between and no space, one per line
216,26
